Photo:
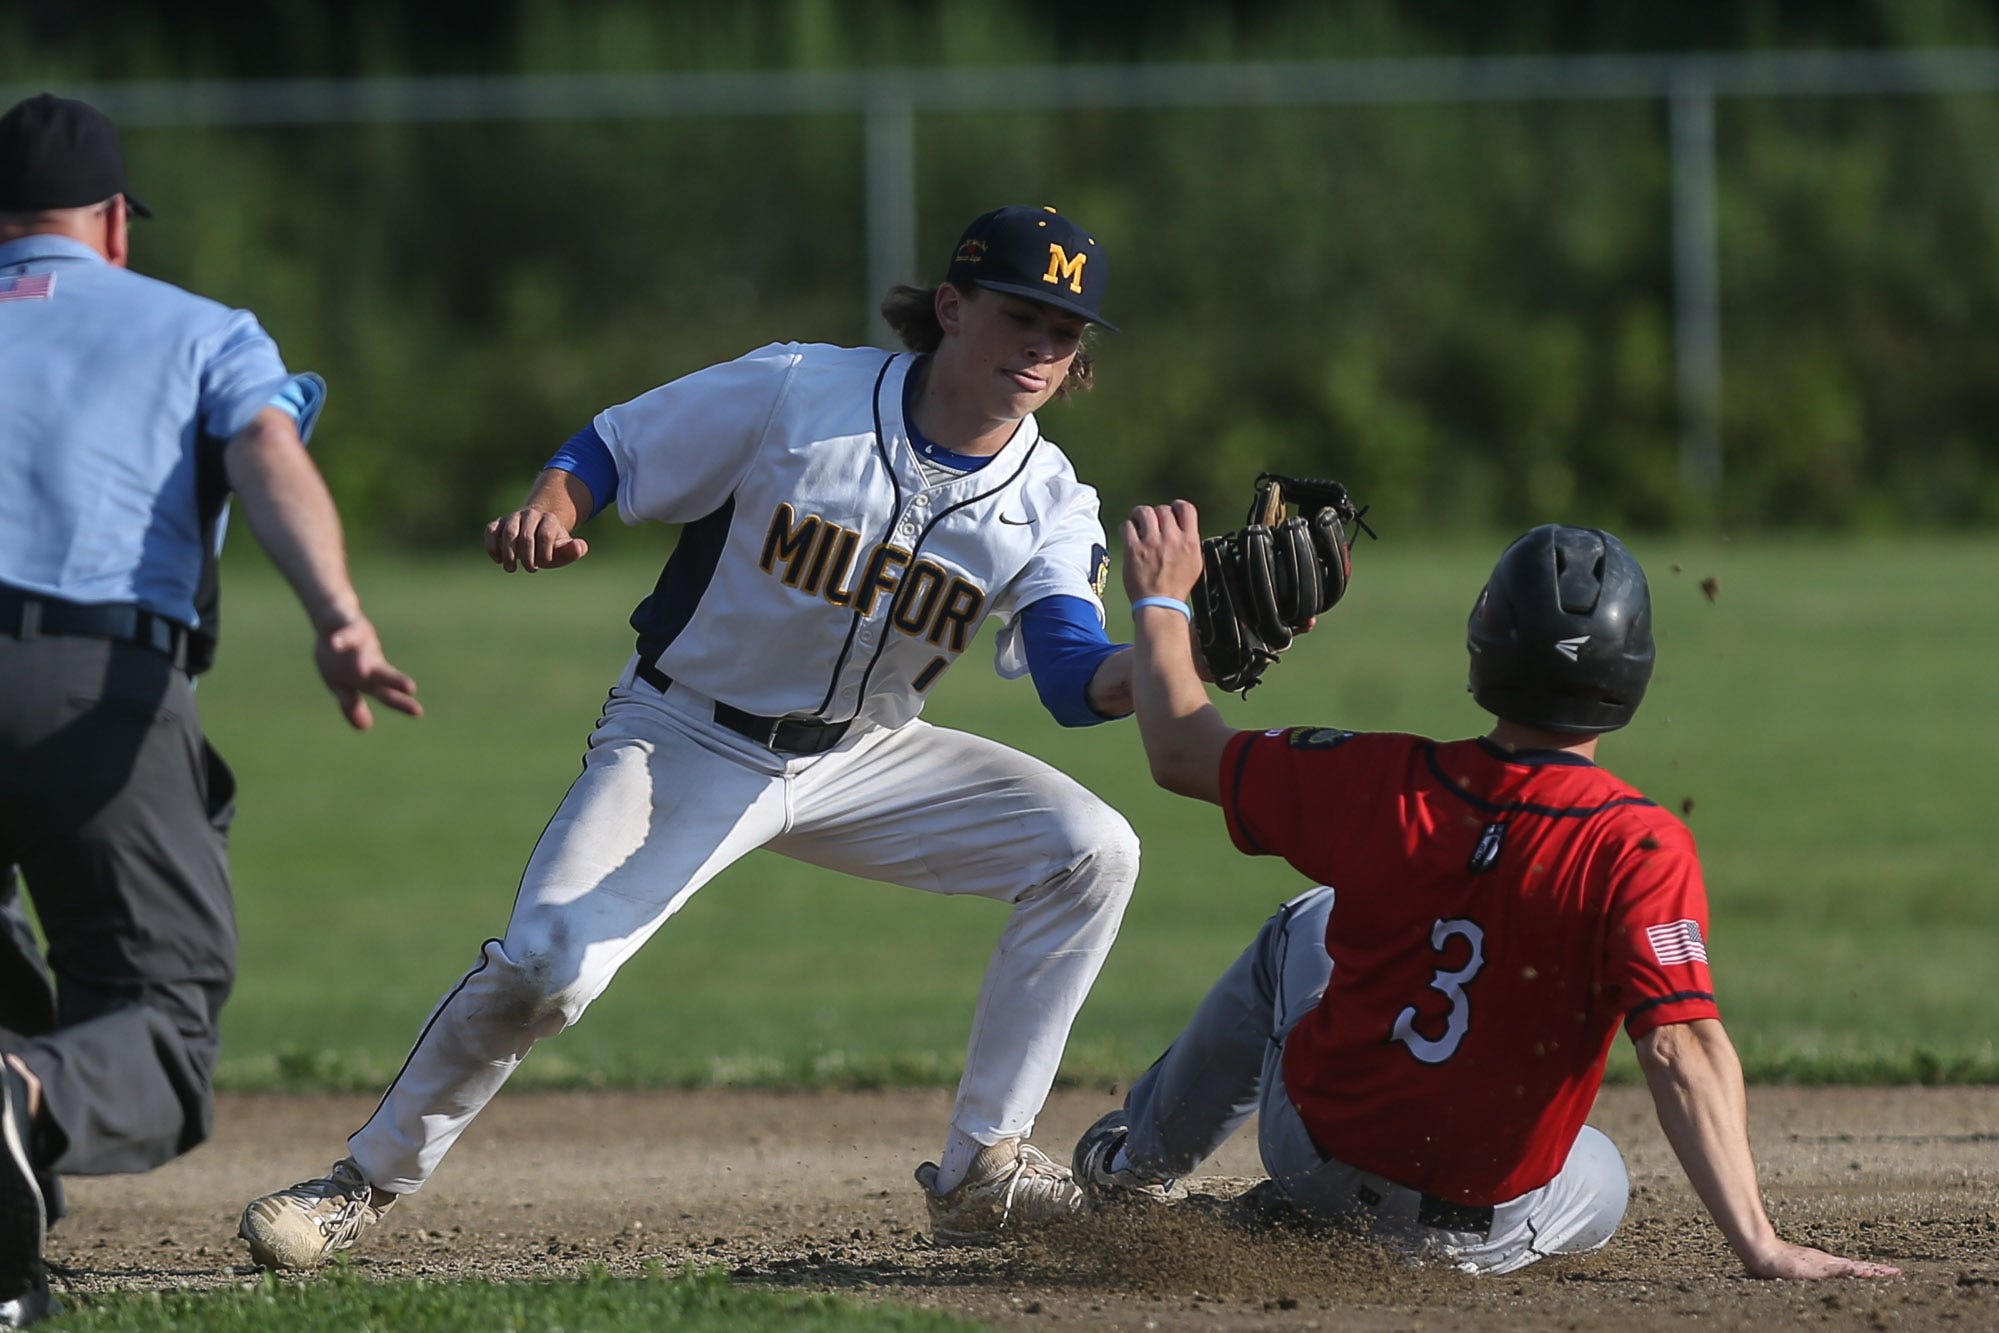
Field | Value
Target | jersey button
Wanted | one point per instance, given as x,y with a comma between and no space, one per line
909,529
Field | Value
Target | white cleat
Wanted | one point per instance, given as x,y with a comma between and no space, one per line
1011,1184
304,1226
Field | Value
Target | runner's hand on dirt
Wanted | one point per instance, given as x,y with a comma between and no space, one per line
1802,1261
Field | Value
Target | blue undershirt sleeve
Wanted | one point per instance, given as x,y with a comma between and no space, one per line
1065,645
586,457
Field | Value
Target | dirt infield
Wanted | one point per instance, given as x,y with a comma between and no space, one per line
813,1191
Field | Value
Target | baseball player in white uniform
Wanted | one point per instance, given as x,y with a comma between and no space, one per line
851,517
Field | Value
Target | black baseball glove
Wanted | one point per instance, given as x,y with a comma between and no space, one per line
1264,582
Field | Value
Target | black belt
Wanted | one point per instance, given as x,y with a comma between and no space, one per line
120,622
788,735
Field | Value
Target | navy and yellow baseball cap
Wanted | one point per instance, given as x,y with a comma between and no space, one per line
56,152
1036,253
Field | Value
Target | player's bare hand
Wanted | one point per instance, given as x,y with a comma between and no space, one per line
532,539
1803,1262
1162,550
351,663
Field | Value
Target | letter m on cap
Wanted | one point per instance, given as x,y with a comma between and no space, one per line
1061,265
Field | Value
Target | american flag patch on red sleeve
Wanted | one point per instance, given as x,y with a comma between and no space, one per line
1677,942
28,287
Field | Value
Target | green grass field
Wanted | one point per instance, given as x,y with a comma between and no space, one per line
1819,714
347,1303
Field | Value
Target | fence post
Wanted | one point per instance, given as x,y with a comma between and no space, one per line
890,130
1696,283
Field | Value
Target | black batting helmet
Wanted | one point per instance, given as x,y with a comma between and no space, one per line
1561,635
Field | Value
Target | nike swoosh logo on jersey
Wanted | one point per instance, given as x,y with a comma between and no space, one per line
1017,522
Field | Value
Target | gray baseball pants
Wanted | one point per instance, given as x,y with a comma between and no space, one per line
1228,1064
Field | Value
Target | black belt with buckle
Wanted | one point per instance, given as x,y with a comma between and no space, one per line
787,735
120,622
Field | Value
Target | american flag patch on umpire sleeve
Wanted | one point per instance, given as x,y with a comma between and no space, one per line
28,287
1677,942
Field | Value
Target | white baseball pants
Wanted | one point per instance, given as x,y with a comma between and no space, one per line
1228,1063
667,799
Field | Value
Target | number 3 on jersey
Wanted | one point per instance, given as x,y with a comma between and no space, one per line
1451,985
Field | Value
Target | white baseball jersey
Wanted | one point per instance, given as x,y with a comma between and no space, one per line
818,572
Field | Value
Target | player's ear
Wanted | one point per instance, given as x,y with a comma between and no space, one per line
950,308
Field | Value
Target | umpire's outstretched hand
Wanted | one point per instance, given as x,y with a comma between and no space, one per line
350,661
295,521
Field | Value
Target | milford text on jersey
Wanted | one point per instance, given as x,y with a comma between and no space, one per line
925,599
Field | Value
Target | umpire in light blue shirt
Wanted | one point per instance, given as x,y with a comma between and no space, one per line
130,410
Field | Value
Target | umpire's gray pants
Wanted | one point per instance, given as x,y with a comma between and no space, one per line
115,811
1228,1064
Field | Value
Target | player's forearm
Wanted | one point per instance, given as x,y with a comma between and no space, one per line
1696,1084
293,517
563,495
1184,735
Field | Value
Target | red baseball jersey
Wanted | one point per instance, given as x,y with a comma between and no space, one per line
1495,917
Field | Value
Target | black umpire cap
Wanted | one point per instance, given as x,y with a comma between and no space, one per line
56,152
1036,253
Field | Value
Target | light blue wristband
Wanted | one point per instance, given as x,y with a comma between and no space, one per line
1170,603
